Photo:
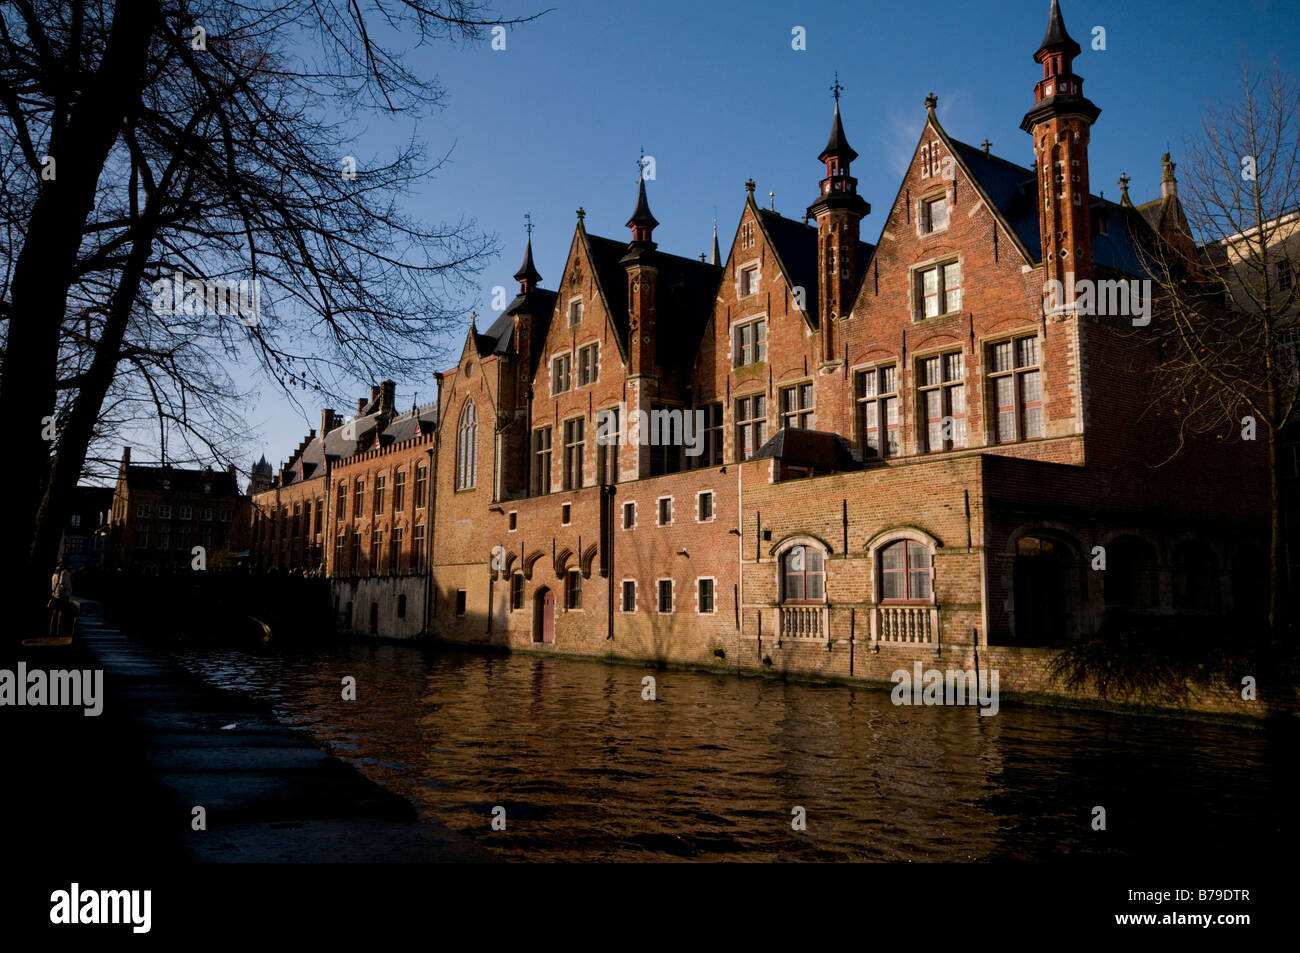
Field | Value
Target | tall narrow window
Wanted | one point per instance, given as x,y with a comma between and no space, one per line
751,425
665,595
705,594
797,406
934,214
356,552
340,545
574,444
938,290
542,460
358,499
629,515
609,434
575,313
711,442
399,491
588,365
560,373
1017,389
905,571
377,550
320,511
803,575
666,434
395,552
943,401
629,595
467,448
421,486
573,590
748,281
750,343
517,591
417,548
381,483
877,400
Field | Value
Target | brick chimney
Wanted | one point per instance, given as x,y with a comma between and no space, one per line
374,392
326,421
361,405
387,396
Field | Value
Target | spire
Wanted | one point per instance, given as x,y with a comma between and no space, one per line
1056,37
717,255
837,146
527,275
642,222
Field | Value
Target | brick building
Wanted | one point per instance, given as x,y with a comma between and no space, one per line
86,527
160,513
906,450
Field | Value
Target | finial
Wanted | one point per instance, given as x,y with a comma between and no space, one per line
528,224
1124,180
702,256
771,197
1167,168
837,88
582,213
749,186
932,102
640,166
473,316
987,146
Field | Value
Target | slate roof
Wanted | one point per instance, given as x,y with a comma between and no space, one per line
175,480
795,244
1011,188
311,462
808,448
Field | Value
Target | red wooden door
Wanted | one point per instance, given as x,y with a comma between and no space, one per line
548,616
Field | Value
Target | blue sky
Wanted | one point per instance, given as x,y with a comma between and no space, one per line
715,93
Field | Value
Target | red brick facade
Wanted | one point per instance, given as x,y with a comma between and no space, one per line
974,457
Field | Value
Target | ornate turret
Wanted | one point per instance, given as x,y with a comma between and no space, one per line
527,275
1061,122
838,212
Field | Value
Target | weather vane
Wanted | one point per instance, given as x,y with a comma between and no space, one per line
528,224
837,88
640,166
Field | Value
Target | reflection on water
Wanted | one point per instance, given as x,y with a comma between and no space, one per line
587,770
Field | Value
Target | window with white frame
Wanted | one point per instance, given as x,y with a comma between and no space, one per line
142,510
574,442
588,365
704,508
942,392
751,425
1016,389
934,214
609,435
629,595
704,595
629,515
561,378
748,281
665,510
749,344
575,312
164,511
542,460
905,573
877,406
803,575
665,595
937,290
187,512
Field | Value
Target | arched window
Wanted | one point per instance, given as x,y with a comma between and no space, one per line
905,572
467,448
803,575
1130,581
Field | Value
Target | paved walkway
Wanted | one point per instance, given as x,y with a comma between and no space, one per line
269,793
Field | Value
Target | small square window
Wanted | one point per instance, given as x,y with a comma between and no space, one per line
164,512
934,215
575,313
629,515
665,511
706,506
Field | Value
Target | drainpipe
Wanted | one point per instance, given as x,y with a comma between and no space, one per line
430,509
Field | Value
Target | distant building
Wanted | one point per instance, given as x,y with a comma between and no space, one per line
86,527
160,513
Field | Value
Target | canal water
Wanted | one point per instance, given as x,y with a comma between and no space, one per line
714,767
